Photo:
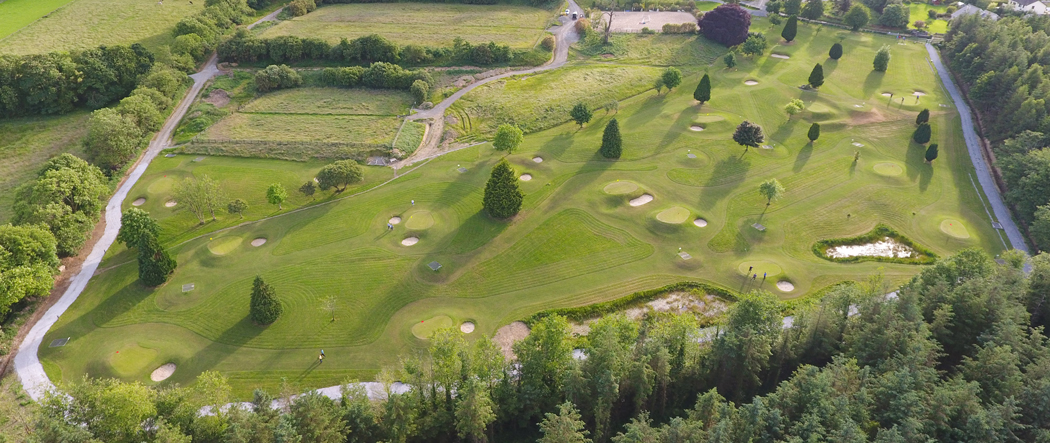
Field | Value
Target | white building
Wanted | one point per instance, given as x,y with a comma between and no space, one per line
965,9
1030,6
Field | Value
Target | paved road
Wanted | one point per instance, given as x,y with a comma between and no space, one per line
973,146
27,365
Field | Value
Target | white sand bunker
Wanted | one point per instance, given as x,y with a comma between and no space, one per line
162,373
645,198
508,335
138,201
525,177
258,242
410,241
918,93
467,327
700,222
887,94
785,286
696,128
887,247
780,56
394,220
170,203
537,159
750,82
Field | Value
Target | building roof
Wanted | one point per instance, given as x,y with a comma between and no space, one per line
971,9
1024,3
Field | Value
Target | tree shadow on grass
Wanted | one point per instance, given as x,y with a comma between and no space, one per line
236,336
803,156
829,67
726,176
917,168
648,110
785,130
557,145
676,129
872,82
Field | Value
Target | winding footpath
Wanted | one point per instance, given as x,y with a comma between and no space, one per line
27,363
973,146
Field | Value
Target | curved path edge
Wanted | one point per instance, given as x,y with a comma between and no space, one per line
980,164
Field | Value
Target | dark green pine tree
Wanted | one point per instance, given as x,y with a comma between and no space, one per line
931,153
923,117
790,29
814,132
155,265
612,144
922,134
816,76
703,90
502,196
264,308
836,51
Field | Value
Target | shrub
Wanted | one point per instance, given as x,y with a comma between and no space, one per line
277,77
882,59
155,264
420,90
836,51
647,31
580,114
502,197
729,60
727,24
919,24
264,308
816,76
895,16
795,106
923,117
857,16
583,26
931,153
612,144
814,132
679,28
548,43
922,134
932,14
345,77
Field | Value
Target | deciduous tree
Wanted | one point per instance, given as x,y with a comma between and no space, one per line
508,137
136,226
727,24
237,206
580,114
155,264
857,17
67,197
755,44
813,10
882,59
671,77
336,175
771,189
113,139
276,195
748,135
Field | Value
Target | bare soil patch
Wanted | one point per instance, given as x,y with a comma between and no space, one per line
508,335
634,21
866,118
217,98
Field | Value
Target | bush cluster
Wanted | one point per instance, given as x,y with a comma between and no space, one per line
66,197
29,261
277,77
922,255
197,35
379,75
681,28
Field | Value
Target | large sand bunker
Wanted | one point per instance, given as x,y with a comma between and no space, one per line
163,372
645,198
887,247
508,335
466,327
785,286
139,201
410,241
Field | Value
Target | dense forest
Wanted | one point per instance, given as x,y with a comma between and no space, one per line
1002,65
956,354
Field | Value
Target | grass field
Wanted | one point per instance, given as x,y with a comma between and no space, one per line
920,11
426,24
89,23
16,14
576,241
26,143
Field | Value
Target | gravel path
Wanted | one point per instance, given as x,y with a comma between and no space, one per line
973,146
27,365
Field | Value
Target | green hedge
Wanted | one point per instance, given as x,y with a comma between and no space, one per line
923,256
582,313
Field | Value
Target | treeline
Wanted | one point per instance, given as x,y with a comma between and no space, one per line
1001,63
957,354
197,36
244,46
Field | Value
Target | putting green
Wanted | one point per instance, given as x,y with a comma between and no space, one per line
160,186
888,169
224,245
759,267
954,228
819,108
674,215
424,329
708,119
131,359
420,220
620,187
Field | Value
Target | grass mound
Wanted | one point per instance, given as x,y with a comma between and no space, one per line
420,220
954,228
620,187
424,329
224,245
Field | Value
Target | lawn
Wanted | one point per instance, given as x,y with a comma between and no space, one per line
16,14
920,11
26,143
576,241
426,24
89,23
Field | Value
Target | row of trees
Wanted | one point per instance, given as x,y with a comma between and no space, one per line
893,14
197,36
58,82
958,354
140,231
379,75
244,46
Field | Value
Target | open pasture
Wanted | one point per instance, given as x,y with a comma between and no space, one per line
578,240
82,24
425,24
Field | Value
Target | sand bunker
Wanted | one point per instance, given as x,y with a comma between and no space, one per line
780,56
258,242
394,220
410,241
888,169
163,372
467,327
675,215
918,93
887,247
420,220
696,128
508,335
525,177
537,159
678,302
785,286
138,201
954,228
887,94
170,204
620,188
750,82
700,222
645,198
